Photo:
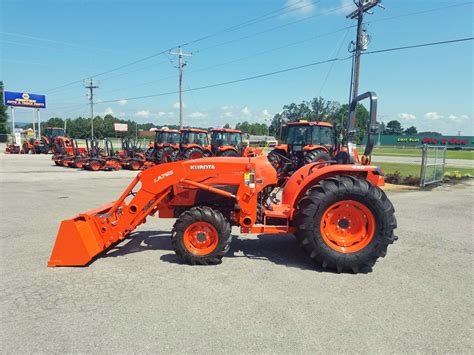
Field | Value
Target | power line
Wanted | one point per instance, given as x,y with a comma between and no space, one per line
152,55
250,22
273,28
291,69
420,45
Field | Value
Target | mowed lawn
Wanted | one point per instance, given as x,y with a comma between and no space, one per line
415,152
414,169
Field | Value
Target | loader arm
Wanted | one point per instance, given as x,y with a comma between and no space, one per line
85,236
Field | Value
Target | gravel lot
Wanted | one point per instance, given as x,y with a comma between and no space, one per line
266,296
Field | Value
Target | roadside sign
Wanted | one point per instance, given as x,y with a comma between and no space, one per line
120,127
24,99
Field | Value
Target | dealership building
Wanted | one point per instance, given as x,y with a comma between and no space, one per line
452,142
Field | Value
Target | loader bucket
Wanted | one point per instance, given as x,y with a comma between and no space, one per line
78,240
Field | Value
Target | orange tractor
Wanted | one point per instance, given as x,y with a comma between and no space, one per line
306,142
193,144
100,159
52,137
226,142
338,212
165,146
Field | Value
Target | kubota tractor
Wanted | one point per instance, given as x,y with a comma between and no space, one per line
305,143
193,144
131,156
48,142
226,142
165,146
100,159
339,214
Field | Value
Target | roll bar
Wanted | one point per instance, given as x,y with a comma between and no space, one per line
372,126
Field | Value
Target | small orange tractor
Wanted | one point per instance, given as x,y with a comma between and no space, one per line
306,142
131,156
226,142
70,155
48,142
338,212
100,159
165,146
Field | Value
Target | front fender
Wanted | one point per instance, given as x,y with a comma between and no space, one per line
310,174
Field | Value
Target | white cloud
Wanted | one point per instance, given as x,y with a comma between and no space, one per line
433,116
144,114
245,111
407,116
176,105
464,117
171,113
228,114
122,114
161,114
197,114
300,7
226,108
108,111
122,102
265,114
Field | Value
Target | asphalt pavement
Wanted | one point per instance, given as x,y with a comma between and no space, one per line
266,296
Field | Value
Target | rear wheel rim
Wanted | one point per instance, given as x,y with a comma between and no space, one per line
200,238
135,165
94,165
347,226
195,156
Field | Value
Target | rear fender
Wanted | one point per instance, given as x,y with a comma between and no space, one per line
314,147
309,175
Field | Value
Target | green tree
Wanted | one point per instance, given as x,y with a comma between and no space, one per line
394,127
3,113
411,130
227,125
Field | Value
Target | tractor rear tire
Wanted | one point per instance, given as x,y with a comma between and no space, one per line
94,165
193,153
25,149
275,158
345,223
316,156
201,236
229,153
166,155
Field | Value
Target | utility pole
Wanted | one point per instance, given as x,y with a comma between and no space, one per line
91,88
361,43
180,55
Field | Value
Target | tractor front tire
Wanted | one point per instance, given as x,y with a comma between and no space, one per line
316,156
345,223
201,236
25,149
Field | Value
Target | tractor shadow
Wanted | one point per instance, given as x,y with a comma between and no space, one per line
280,249
137,242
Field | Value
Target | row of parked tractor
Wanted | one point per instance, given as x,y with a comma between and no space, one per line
168,146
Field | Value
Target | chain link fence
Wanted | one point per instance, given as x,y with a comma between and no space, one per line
433,163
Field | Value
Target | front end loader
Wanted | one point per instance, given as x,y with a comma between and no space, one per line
338,212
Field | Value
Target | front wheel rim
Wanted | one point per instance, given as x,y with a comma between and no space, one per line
200,238
347,226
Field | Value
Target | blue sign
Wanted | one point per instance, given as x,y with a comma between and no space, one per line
23,99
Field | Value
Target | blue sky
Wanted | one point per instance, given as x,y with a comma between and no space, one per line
46,44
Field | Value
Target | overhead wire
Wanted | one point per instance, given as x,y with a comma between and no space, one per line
292,69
